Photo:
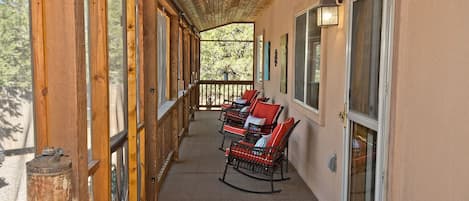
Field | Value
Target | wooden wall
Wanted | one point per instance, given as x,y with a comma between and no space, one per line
60,92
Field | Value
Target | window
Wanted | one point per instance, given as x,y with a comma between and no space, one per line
260,57
307,59
226,53
163,58
16,100
180,62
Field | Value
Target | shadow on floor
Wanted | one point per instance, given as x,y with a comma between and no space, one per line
194,177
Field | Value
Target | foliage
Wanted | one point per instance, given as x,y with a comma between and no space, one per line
235,58
116,41
15,63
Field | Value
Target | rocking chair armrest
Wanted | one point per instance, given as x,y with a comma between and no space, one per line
239,105
275,152
232,114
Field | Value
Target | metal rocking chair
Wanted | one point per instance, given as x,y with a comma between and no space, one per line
248,95
262,161
234,125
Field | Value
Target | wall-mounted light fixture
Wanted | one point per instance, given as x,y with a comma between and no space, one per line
328,13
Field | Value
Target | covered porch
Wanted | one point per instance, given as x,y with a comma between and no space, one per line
120,85
194,176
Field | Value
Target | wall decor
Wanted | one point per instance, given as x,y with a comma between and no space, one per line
275,58
267,60
283,63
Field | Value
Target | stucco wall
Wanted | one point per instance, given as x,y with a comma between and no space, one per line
430,152
312,144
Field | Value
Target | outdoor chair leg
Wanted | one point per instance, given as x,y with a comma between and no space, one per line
220,115
224,172
222,143
272,181
286,156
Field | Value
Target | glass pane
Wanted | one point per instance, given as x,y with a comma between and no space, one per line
314,57
300,45
236,31
16,99
88,83
180,61
163,38
362,163
119,174
88,96
138,67
226,60
260,57
366,37
116,67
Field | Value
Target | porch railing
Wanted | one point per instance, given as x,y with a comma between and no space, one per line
212,93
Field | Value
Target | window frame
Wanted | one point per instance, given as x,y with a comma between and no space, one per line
315,114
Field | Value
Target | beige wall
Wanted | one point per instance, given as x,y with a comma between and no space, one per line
312,144
430,134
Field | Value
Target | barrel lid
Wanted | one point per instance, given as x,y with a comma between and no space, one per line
50,161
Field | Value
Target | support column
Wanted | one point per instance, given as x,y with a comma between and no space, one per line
99,74
60,83
151,96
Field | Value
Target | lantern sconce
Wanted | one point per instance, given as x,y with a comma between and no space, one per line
328,13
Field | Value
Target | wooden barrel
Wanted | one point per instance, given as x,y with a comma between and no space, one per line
49,177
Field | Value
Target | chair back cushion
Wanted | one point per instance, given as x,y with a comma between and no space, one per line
249,95
241,101
245,109
253,105
254,120
267,111
261,143
280,131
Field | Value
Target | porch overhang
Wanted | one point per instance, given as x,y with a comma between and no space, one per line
209,14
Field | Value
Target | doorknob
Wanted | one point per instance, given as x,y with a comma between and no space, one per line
343,115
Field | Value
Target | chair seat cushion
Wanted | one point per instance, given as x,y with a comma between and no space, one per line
235,130
247,155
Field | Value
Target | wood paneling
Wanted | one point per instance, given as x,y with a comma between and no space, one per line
207,14
99,73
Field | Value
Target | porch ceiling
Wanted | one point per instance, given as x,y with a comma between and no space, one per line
207,14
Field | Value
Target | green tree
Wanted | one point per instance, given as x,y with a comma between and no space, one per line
15,63
116,41
235,58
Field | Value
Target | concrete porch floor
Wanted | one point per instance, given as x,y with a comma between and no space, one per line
194,177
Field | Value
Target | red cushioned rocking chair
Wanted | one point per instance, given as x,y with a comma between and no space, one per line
249,97
234,125
264,161
239,114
